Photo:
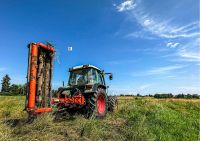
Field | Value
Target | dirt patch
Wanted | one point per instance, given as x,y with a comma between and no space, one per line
118,122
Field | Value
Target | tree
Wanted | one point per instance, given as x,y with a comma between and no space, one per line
18,89
138,94
15,89
5,83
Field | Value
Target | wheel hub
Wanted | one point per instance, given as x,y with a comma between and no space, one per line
101,104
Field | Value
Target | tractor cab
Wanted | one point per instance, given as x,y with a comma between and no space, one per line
85,75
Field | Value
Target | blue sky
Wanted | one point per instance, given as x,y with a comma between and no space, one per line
150,46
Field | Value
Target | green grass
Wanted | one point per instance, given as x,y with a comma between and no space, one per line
135,119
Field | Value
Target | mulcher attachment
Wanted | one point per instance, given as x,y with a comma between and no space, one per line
40,65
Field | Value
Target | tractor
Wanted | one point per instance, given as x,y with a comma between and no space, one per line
86,92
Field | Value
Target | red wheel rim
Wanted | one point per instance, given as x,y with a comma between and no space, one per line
101,104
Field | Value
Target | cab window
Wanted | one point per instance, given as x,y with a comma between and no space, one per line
92,76
100,79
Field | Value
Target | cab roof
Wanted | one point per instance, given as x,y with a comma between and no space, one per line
84,67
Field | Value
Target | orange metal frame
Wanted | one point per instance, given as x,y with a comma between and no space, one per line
31,107
77,99
74,100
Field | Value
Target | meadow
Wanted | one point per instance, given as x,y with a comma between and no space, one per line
135,119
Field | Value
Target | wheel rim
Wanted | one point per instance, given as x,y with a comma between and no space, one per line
101,104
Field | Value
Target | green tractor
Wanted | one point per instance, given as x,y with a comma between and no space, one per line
85,94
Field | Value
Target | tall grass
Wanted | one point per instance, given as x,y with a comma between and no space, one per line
134,119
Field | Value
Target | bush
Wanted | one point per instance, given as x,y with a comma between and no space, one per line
163,95
188,96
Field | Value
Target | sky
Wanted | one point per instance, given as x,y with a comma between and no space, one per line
150,46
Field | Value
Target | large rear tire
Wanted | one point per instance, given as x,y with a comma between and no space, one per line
97,104
112,102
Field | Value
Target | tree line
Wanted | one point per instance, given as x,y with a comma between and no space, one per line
187,96
166,95
11,89
8,89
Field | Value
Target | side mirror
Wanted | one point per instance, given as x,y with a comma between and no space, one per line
111,76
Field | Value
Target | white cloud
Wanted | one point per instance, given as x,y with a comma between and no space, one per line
126,5
170,76
190,56
119,62
188,27
172,44
147,22
190,51
140,34
165,29
169,70
162,70
145,86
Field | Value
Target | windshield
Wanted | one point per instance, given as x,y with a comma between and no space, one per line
84,76
78,77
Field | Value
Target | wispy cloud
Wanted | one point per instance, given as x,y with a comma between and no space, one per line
159,27
160,70
163,70
119,62
165,29
145,86
140,34
172,44
185,36
190,51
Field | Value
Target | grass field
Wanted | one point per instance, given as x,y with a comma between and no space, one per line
135,119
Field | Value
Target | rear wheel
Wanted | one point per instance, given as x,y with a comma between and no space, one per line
97,104
112,102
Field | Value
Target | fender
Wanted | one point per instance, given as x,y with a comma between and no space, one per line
96,86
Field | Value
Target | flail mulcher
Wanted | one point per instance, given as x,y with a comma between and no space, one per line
85,94
40,68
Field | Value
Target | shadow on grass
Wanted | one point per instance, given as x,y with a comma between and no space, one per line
15,122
